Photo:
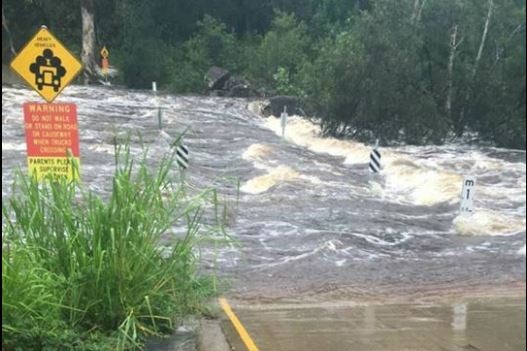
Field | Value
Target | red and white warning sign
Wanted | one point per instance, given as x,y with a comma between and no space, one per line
52,139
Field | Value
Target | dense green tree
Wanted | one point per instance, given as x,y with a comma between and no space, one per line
417,71
211,45
284,45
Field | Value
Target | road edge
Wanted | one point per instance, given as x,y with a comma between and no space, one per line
211,336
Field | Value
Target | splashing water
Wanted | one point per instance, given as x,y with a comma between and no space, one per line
488,223
274,176
310,214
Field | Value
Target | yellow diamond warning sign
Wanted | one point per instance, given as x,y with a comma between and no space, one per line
46,65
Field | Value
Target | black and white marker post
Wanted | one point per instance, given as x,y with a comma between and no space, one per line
467,195
182,156
375,159
283,120
159,116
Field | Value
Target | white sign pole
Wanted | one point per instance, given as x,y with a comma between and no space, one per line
283,120
159,115
467,194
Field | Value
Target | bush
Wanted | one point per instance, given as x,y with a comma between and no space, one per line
210,46
77,270
283,83
285,45
367,82
145,61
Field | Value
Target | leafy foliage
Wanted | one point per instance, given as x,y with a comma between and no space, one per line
285,45
211,45
369,69
79,271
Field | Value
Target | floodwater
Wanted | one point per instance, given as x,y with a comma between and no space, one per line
463,325
310,218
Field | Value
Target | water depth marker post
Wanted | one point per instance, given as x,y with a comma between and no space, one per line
467,195
182,159
375,158
159,114
283,120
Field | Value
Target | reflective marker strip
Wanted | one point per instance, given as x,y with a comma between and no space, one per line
375,161
181,162
182,156
246,338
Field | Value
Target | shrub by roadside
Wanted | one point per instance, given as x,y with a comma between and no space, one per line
83,273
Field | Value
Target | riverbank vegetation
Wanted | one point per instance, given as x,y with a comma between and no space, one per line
416,71
84,272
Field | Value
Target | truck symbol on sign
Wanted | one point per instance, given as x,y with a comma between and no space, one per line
48,70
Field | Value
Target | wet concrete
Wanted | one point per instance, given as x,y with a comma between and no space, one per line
211,337
487,324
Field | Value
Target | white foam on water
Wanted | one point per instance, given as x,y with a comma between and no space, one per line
105,148
256,107
522,251
13,146
340,263
312,179
288,259
302,132
422,176
406,180
376,188
487,222
274,176
421,186
257,151
259,154
377,241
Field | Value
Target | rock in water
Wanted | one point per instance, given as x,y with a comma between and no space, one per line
216,78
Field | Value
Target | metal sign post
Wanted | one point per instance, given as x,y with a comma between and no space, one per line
46,65
52,135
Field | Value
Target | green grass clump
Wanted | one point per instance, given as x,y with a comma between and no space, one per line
80,272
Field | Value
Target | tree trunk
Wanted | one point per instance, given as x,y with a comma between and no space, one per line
453,46
88,41
414,12
418,9
6,28
475,67
483,39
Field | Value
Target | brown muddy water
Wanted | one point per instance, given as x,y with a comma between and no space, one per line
310,218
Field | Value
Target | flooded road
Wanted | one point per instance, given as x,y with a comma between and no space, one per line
310,218
462,325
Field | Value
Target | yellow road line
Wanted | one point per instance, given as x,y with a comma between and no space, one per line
246,338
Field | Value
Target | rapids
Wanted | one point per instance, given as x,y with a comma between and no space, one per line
310,216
